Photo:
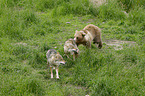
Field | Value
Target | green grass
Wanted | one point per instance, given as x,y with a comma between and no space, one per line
29,28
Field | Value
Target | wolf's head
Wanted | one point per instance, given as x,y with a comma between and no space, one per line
74,51
59,59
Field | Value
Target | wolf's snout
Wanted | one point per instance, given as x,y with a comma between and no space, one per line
62,62
75,51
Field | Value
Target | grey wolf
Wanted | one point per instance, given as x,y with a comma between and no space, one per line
71,48
87,35
54,59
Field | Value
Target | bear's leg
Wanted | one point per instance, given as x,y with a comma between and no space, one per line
88,44
100,45
97,41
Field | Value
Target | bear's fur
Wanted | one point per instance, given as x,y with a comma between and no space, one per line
87,35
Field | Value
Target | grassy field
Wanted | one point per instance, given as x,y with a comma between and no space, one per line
28,28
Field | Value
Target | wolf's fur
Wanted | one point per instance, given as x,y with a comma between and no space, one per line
54,59
87,35
70,47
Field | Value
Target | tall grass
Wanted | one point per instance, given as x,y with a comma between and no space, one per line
13,22
137,16
131,4
110,10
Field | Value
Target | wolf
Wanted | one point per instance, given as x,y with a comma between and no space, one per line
87,35
70,47
54,59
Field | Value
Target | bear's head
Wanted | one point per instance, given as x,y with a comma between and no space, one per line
79,36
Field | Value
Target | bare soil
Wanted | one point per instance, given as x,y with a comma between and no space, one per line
118,44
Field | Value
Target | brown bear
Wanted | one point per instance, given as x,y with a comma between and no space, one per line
87,35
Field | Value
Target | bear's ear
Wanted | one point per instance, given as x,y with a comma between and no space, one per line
83,34
85,31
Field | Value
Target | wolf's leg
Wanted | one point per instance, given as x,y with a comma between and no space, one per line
76,55
51,72
57,72
67,56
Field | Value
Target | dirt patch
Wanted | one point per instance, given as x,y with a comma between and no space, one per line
118,44
97,2
20,43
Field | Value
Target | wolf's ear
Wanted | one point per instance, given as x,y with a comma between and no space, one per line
76,31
